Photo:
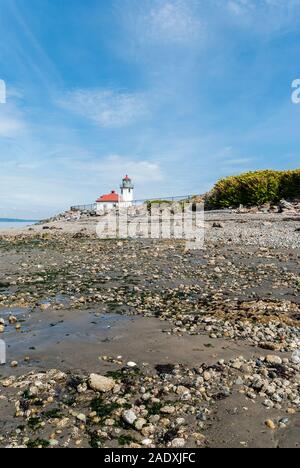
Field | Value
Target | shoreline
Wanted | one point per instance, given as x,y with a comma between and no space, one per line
264,229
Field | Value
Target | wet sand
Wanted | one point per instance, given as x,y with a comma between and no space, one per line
55,334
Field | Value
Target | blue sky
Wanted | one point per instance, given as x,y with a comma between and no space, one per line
177,93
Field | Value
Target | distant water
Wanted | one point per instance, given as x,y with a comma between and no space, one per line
15,223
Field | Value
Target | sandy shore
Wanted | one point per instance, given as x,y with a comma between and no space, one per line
210,336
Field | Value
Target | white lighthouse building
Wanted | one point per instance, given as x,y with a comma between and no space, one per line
113,200
127,188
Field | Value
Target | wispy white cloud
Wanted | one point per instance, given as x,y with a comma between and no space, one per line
173,21
264,15
241,7
141,170
12,123
109,169
106,107
161,22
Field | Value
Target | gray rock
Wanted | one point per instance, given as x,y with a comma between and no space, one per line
129,417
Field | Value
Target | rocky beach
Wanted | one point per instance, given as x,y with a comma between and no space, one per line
144,343
149,227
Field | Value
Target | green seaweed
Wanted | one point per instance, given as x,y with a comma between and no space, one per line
125,439
102,408
34,444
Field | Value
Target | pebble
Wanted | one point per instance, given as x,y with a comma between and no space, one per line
202,417
181,390
178,443
295,359
140,423
239,381
146,442
207,376
131,364
270,424
53,443
272,359
168,410
82,388
81,417
129,417
284,421
180,421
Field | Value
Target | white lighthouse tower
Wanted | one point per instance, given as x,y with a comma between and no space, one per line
127,191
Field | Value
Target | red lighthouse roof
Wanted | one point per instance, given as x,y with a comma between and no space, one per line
112,197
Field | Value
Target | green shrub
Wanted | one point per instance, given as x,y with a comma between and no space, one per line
159,202
254,189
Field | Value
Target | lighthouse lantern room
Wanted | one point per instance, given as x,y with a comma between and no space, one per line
127,188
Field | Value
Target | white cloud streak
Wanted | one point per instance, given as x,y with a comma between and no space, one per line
163,23
141,171
105,107
173,21
11,122
266,16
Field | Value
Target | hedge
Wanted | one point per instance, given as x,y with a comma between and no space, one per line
254,189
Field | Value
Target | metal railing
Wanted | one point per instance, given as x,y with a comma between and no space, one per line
89,208
93,207
165,199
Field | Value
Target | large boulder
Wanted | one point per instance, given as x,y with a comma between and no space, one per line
286,206
98,383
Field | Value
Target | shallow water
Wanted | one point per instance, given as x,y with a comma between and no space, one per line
42,334
4,225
